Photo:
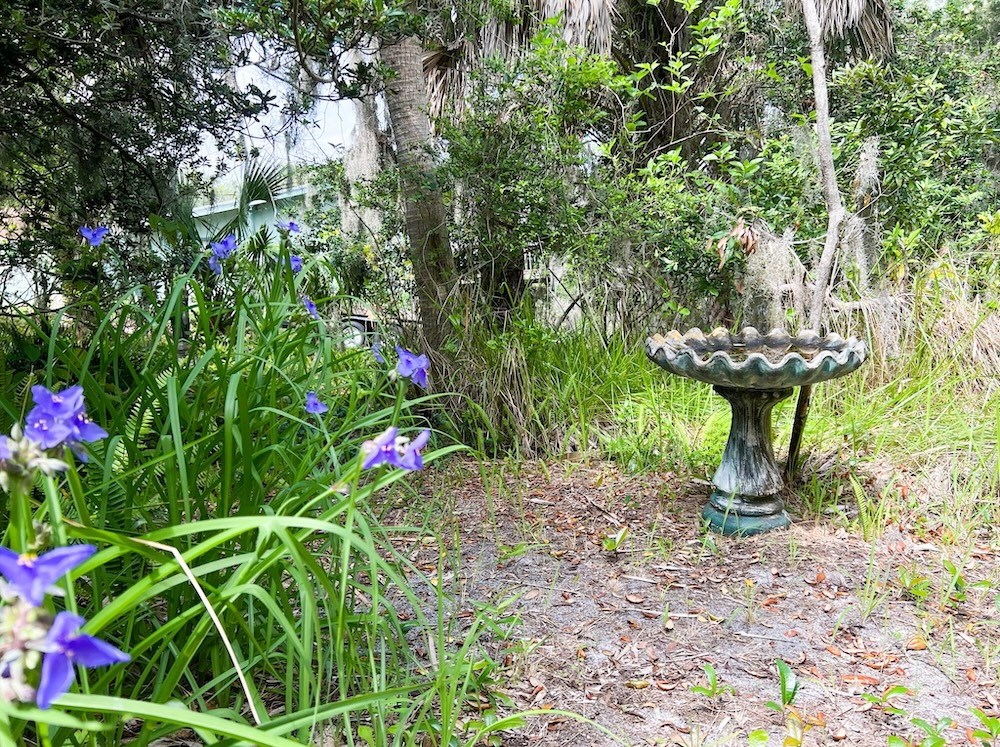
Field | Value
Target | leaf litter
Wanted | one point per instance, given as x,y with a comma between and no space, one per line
620,633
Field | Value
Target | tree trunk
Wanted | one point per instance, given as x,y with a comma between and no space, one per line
426,224
831,192
504,285
834,208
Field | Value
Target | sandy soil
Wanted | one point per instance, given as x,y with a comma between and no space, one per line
622,636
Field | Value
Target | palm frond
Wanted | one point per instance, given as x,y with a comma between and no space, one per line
261,182
507,35
865,24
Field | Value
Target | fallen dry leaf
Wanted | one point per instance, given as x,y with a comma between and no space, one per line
860,679
820,578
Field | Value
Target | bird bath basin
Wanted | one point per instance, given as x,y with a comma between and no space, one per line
753,372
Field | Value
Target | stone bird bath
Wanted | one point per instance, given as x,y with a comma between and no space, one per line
753,372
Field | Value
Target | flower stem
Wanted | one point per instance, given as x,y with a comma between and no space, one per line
21,515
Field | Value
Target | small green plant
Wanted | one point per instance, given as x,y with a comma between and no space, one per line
913,584
883,701
668,624
871,511
713,689
788,687
990,733
954,593
793,551
612,542
512,552
934,734
872,593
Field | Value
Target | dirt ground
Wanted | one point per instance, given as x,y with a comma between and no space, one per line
621,636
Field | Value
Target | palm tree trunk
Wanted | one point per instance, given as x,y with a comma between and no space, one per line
426,224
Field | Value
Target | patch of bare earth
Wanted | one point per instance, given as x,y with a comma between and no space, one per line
621,636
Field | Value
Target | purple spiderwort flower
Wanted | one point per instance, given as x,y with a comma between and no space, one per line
395,450
310,307
412,366
377,352
5,452
222,249
30,577
64,646
59,418
410,458
381,450
313,404
290,226
295,263
94,236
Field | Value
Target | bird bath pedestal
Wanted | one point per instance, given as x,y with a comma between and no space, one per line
753,372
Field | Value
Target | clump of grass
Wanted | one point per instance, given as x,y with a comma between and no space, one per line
243,566
917,427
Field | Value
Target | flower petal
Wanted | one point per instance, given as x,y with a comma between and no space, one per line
88,430
405,367
421,440
93,652
64,627
373,455
19,575
56,678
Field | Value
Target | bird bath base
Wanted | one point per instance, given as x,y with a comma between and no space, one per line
748,482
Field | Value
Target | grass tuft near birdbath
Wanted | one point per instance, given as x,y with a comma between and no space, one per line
753,372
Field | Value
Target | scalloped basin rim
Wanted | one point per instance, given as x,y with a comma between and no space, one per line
751,360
